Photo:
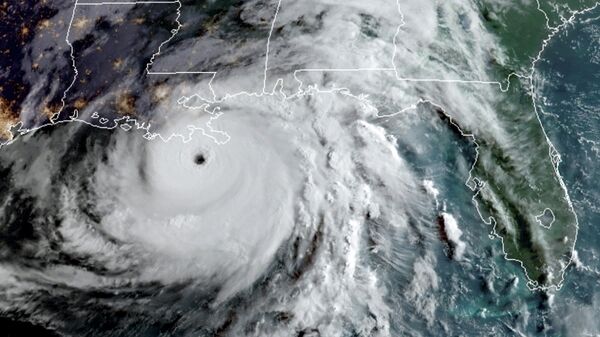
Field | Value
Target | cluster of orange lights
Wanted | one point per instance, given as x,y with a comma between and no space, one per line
125,104
8,118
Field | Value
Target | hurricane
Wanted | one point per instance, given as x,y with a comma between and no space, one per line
283,168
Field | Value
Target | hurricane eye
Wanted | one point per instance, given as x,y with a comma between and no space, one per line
199,159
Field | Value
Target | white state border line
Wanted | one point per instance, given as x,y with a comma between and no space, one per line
174,32
503,88
52,118
403,79
124,3
533,285
264,89
552,151
180,72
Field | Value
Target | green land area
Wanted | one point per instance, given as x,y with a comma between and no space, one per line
518,174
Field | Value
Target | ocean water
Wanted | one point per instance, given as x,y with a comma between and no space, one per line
431,287
483,294
568,87
479,294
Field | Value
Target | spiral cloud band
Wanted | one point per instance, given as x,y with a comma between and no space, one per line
276,168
